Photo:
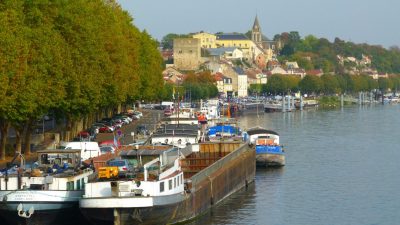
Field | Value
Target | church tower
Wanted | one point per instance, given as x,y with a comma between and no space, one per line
256,35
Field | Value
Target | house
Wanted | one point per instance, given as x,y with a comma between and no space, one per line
207,40
227,53
167,54
224,84
278,70
242,82
236,40
255,76
172,75
315,72
297,71
292,65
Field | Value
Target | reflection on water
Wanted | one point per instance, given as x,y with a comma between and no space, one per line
342,168
239,205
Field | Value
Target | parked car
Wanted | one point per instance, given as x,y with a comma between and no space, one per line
142,129
160,107
101,128
123,166
138,113
109,143
107,149
167,112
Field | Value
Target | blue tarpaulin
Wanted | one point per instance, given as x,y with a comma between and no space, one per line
263,149
222,129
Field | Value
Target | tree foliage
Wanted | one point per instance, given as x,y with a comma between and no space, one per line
74,58
322,54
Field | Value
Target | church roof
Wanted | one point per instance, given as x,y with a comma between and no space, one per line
231,37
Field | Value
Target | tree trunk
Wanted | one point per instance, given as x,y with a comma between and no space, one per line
18,138
68,128
4,125
28,136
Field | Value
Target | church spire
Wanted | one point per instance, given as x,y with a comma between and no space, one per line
256,24
256,35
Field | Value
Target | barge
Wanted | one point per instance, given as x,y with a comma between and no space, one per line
269,153
173,187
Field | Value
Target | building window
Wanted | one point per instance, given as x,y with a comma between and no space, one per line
180,51
191,51
78,184
170,184
161,186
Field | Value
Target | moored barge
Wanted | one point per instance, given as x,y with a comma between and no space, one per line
178,187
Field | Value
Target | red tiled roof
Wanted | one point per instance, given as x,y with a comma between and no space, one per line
315,72
218,76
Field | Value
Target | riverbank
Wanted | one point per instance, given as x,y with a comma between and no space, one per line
150,118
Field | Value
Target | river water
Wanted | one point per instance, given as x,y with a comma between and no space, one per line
342,168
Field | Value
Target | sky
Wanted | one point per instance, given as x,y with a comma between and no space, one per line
359,21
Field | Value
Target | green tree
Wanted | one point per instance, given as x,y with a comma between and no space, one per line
311,84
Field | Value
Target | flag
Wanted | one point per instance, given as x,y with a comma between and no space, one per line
115,142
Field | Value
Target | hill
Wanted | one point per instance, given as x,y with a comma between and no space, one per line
339,56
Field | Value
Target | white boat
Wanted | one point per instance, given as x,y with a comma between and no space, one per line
174,186
308,103
47,194
268,150
176,134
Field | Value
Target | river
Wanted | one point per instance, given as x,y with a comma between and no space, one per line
342,168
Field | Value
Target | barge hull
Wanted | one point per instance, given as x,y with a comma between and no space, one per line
270,160
59,215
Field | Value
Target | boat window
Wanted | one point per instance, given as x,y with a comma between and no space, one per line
174,182
78,184
70,186
177,180
83,183
170,184
161,186
181,178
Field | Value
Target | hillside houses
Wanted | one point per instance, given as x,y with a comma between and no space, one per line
235,60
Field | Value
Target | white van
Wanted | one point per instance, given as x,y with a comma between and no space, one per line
88,149
169,105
